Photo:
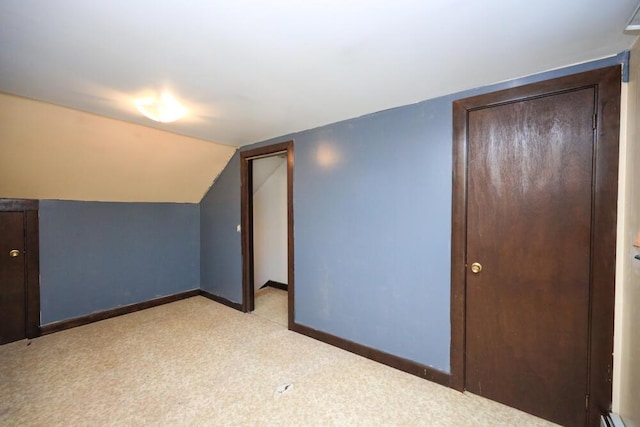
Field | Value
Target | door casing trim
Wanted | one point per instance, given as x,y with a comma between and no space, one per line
604,207
246,230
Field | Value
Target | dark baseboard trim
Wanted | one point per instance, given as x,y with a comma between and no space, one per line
411,367
107,314
277,285
221,300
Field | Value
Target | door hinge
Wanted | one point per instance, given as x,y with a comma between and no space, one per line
586,401
594,121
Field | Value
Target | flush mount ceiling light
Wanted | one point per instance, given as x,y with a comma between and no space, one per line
165,109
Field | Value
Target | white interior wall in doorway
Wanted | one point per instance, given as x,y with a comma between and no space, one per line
270,220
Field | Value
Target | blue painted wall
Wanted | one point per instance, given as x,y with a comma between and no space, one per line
220,246
372,215
97,256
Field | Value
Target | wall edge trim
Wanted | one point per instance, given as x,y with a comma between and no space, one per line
61,325
221,300
274,284
397,362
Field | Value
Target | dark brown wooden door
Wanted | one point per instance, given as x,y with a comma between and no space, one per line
12,277
529,216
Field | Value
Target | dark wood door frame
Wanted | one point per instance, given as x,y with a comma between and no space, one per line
606,82
246,173
32,260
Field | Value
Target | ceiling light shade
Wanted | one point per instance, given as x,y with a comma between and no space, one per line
165,109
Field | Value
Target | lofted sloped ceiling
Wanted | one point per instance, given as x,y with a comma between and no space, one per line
248,70
52,152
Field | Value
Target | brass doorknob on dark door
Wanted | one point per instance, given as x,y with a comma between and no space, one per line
14,253
476,267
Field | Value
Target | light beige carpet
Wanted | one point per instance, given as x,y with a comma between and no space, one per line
196,362
271,304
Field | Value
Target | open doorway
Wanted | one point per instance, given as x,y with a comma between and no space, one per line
267,232
270,282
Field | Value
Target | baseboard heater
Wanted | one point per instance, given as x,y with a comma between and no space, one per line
611,420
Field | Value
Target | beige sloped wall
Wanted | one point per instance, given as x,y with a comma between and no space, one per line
53,152
626,381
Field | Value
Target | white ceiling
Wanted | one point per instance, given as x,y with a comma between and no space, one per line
249,70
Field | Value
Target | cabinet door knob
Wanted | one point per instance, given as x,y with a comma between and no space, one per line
14,253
